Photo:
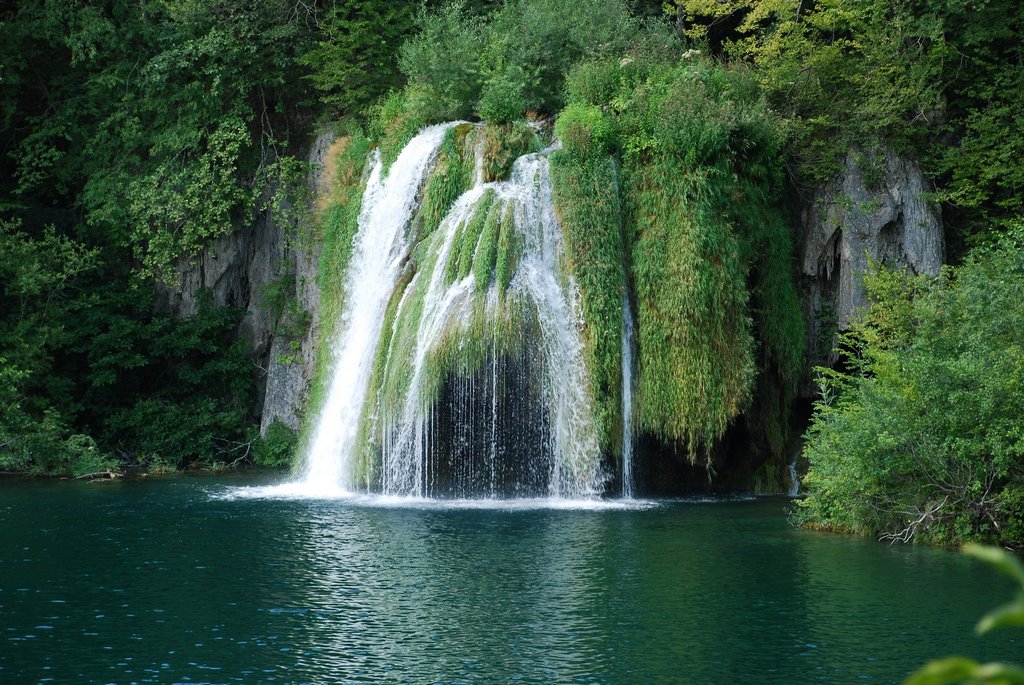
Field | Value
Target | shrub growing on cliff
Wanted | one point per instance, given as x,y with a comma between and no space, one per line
585,131
924,437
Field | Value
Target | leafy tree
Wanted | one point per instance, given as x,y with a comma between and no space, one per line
37,273
923,435
513,61
355,59
160,121
939,81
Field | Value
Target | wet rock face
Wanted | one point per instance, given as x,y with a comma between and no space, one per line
234,270
875,209
237,270
290,363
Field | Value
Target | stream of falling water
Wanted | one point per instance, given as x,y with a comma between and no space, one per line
381,245
627,396
572,462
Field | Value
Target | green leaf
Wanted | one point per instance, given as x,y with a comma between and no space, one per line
950,670
1001,559
1005,616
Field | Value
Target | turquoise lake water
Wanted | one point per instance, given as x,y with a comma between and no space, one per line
201,580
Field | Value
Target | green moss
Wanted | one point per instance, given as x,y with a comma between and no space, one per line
585,131
401,348
471,234
509,251
696,357
503,144
718,322
487,248
473,338
451,267
587,201
461,349
451,176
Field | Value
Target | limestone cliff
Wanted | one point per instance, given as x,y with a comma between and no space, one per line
240,270
875,209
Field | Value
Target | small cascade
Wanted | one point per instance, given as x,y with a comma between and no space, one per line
794,477
381,245
627,396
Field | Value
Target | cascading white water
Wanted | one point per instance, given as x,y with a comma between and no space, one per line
540,283
381,245
517,418
627,396
576,454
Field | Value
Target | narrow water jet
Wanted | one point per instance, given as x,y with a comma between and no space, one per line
794,477
627,396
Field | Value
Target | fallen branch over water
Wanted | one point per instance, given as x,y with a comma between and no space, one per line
99,475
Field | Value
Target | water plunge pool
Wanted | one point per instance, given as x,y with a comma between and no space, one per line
202,580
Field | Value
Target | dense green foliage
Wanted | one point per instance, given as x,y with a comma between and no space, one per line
940,81
710,251
923,435
353,63
513,61
161,122
132,135
93,378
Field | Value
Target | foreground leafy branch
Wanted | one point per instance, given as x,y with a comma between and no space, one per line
962,670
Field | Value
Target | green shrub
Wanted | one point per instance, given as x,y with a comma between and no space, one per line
584,131
514,61
924,437
277,448
394,121
441,64
501,100
595,82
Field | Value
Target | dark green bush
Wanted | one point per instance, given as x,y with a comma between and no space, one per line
277,448
442,65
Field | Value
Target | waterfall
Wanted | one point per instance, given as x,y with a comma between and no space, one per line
381,245
458,366
794,477
627,396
